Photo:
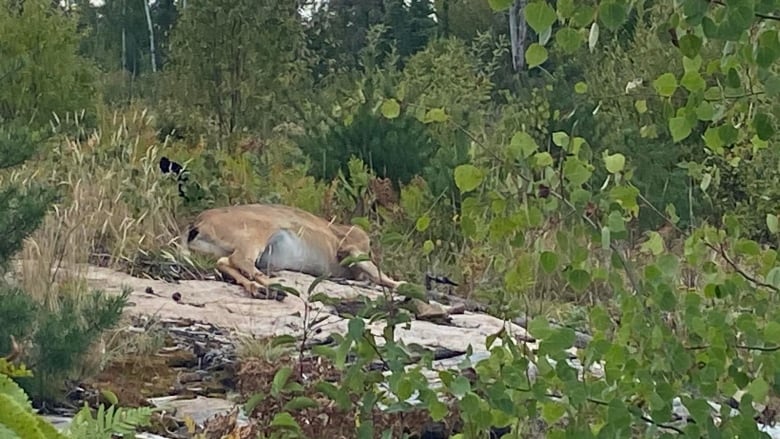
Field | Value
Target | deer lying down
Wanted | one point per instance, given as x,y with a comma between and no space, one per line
239,236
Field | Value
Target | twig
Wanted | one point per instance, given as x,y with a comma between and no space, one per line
722,252
719,250
757,14
606,404
743,347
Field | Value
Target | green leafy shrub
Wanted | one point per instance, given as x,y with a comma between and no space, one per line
40,69
58,323
397,148
61,338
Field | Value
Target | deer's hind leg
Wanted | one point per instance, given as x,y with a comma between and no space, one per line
240,266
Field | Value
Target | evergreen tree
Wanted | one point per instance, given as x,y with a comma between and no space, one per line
21,209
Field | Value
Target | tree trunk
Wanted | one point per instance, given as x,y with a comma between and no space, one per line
124,35
518,30
151,35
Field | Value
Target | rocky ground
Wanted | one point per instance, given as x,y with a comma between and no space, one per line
201,353
191,330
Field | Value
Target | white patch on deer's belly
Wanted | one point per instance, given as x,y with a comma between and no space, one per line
288,251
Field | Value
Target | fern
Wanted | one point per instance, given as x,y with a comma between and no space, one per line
17,417
22,421
108,422
9,388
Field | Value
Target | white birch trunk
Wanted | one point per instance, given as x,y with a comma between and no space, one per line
151,35
518,30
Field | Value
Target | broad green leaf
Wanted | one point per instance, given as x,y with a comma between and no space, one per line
606,237
568,40
665,297
422,223
665,85
284,419
641,106
654,244
772,223
728,133
468,177
539,327
566,8
578,279
553,411
626,197
539,15
558,340
706,179
580,88
705,111
612,14
768,50
764,126
694,8
773,277
615,222
460,386
690,45
615,162
428,247
355,328
772,86
543,159
437,409
738,19
747,247
391,108
548,261
280,379
709,27
575,171
435,115
560,138
692,64
712,139
693,81
523,144
648,131
300,403
759,389
772,333
679,128
732,79
535,55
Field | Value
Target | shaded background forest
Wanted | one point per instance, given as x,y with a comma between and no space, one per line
274,101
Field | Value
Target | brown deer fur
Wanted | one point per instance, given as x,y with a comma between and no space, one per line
239,237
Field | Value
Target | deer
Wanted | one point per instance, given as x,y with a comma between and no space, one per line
251,241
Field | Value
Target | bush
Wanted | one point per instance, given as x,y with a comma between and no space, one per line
398,149
55,320
41,71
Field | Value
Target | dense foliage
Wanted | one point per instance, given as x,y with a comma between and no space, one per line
608,163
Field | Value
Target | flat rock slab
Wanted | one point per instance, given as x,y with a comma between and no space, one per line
226,306
199,409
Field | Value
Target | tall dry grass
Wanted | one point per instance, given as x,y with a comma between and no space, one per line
114,203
